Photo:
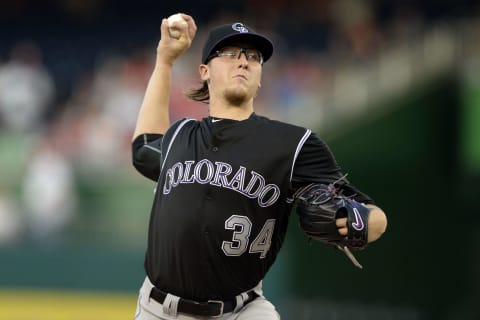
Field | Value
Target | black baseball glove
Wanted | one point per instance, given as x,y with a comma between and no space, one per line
319,206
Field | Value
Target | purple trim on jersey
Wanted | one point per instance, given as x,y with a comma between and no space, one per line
221,175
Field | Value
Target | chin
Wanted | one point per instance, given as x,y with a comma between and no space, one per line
237,97
236,102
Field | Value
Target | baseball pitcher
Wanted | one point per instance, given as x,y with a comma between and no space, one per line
225,185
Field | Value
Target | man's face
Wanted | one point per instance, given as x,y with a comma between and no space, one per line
234,73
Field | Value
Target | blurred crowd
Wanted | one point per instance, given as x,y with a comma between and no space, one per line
69,94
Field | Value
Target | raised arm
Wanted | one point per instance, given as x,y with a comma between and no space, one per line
153,116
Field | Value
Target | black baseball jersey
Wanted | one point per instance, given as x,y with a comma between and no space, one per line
223,200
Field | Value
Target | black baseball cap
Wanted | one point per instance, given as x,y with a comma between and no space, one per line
236,32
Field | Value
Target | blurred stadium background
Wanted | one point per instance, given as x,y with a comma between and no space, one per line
392,86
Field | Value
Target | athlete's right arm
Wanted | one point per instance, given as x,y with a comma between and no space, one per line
153,117
146,155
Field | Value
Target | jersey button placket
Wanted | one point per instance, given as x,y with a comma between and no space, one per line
215,149
208,195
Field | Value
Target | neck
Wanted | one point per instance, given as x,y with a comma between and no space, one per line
234,112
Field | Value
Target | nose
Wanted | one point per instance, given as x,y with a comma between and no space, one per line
243,61
244,51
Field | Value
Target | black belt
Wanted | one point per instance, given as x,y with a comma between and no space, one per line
211,308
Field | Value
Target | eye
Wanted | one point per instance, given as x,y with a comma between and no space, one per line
230,54
253,56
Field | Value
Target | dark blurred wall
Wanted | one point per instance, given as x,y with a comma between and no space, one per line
407,161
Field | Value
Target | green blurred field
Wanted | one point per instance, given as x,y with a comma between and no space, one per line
23,304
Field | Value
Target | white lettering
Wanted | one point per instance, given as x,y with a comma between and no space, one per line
274,197
237,181
186,179
261,183
179,168
218,174
168,182
221,173
198,170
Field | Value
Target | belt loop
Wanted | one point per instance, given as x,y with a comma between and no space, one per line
241,298
170,305
239,303
146,288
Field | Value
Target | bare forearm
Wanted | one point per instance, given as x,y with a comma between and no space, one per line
377,223
154,116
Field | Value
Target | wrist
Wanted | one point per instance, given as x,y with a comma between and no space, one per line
164,59
163,64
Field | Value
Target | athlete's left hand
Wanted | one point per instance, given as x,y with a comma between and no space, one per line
377,223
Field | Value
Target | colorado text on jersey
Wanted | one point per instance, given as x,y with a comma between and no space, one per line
218,174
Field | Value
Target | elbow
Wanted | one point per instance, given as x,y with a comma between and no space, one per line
137,162
137,165
147,166
144,169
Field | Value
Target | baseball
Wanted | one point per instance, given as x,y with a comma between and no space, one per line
175,18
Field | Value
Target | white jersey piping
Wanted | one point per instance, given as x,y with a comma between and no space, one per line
297,151
180,126
153,148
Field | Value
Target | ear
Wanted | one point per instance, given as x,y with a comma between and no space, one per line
203,69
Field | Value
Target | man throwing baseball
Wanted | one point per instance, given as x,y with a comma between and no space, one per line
225,185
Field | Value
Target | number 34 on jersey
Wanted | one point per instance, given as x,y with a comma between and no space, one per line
240,243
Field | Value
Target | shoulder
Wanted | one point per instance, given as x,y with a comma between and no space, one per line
280,135
178,125
279,125
183,122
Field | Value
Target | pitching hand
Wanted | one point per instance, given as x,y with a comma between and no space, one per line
169,49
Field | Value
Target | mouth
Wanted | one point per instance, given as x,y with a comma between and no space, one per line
241,76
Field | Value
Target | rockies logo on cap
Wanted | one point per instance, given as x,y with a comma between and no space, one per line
239,27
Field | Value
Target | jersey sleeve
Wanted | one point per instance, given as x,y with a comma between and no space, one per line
316,164
146,155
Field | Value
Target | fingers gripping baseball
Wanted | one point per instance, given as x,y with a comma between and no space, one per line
176,37
181,24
